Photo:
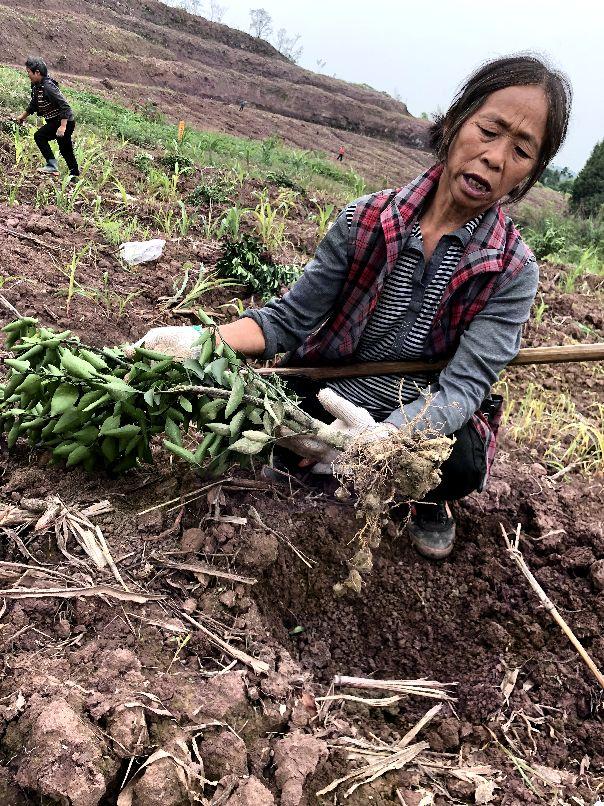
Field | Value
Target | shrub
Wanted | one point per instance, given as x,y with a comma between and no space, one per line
247,261
587,195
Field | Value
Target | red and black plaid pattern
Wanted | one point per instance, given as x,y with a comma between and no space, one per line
493,257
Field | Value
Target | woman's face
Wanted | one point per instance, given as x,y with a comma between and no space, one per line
496,148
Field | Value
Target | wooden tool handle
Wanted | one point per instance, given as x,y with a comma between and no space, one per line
528,355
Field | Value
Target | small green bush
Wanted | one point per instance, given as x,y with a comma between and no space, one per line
246,260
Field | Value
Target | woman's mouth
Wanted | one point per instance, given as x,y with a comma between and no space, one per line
475,186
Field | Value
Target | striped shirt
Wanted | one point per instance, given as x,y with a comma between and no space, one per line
47,101
401,321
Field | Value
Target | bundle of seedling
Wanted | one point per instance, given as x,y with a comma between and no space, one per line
104,409
111,409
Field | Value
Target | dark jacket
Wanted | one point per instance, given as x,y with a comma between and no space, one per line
48,101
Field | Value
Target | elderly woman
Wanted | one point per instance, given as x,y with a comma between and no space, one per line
434,270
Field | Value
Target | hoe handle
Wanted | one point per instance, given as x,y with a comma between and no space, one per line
528,355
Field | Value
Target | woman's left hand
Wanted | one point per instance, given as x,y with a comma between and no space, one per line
350,419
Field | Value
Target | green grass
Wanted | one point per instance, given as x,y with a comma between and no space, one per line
201,147
576,242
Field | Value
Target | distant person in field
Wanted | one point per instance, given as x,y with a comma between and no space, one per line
341,152
242,105
48,101
434,271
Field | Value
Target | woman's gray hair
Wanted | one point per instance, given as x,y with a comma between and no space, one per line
37,65
510,71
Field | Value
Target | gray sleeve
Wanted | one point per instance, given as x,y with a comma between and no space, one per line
286,322
485,349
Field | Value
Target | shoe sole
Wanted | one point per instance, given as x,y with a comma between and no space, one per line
431,553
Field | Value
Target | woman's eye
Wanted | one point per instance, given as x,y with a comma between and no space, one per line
522,153
487,132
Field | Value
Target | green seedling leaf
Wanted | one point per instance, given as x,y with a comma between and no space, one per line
64,398
64,449
185,404
17,365
235,397
248,447
78,455
75,366
87,435
94,359
257,436
110,423
216,369
236,424
173,432
179,451
219,428
68,421
123,431
110,449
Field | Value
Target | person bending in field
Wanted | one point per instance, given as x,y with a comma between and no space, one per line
47,101
433,271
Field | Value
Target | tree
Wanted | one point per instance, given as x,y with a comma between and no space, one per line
261,25
587,195
557,178
288,45
215,11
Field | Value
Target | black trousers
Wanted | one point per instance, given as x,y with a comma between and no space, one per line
48,132
461,474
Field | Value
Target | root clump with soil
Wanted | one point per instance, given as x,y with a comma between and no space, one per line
383,473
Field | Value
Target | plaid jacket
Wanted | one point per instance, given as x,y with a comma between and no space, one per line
494,256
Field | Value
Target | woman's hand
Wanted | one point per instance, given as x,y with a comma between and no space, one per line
350,419
177,341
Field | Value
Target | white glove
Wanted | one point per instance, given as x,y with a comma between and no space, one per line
350,419
177,341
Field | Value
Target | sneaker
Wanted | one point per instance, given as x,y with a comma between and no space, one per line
432,530
49,168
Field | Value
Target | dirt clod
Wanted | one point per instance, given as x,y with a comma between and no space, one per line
297,756
70,762
223,753
597,574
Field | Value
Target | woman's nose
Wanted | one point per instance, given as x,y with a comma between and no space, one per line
495,154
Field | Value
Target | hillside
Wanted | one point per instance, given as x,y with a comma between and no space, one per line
187,67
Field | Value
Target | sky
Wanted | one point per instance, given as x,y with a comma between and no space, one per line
423,50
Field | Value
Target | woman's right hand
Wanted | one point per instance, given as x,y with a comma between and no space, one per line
177,341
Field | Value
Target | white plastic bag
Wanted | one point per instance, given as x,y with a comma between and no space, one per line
135,252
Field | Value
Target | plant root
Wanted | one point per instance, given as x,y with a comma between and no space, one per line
383,473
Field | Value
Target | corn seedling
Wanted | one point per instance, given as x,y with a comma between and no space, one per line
118,230
322,217
70,271
166,221
270,229
230,223
112,302
67,194
205,281
539,311
184,221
